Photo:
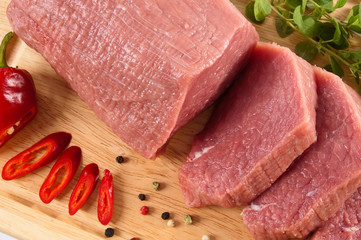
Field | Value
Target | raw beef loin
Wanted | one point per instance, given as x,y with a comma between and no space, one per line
321,179
145,67
261,125
346,224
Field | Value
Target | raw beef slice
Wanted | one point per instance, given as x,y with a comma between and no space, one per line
261,125
146,67
322,178
345,224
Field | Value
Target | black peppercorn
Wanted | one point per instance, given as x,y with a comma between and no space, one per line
109,232
120,159
165,215
141,197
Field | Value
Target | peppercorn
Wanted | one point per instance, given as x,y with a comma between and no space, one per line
109,232
165,215
134,238
206,237
141,197
188,219
144,210
155,186
170,223
119,159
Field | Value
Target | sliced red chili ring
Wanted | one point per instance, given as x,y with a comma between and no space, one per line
60,174
105,200
84,187
38,155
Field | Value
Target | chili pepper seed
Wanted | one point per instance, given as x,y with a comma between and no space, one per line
119,159
144,210
109,232
188,219
155,186
11,130
165,215
141,197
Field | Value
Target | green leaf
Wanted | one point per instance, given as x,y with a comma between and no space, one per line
352,20
328,67
285,12
327,31
262,8
306,50
310,5
354,55
336,68
310,27
344,44
306,23
317,13
328,4
250,13
353,15
293,3
345,54
337,36
340,4
297,17
304,3
283,28
356,28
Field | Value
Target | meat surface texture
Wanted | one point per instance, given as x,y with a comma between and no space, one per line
261,125
345,224
320,180
145,67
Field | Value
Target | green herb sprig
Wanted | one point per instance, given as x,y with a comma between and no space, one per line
325,34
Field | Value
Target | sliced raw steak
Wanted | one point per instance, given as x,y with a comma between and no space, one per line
261,125
346,224
146,67
319,181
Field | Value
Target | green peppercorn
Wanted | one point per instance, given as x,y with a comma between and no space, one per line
155,186
165,215
109,232
188,219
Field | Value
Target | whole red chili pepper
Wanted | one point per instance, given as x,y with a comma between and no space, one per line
84,187
38,155
17,96
105,200
60,174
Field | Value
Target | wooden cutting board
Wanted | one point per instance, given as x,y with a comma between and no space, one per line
24,216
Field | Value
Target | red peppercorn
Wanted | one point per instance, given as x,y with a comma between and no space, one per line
144,210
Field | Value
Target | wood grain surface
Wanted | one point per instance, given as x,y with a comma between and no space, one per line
24,216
